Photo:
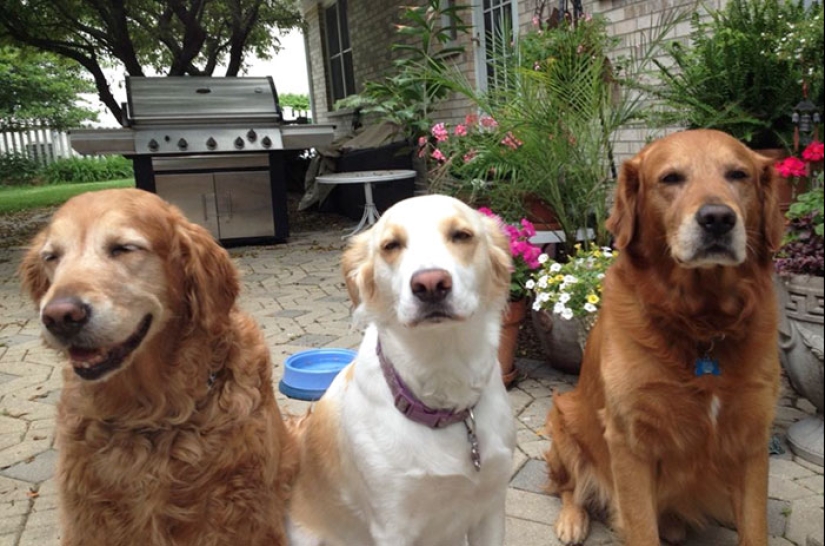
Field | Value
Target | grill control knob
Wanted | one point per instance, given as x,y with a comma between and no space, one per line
182,144
239,143
266,142
251,135
211,144
153,145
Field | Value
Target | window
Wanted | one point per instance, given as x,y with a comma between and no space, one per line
494,21
339,52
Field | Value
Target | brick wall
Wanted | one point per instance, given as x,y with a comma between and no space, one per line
372,33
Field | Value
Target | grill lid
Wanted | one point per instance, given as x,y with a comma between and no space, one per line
195,99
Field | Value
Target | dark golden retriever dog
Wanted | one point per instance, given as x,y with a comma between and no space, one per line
168,430
670,422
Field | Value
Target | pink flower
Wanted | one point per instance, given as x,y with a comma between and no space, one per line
470,119
791,167
460,130
536,65
814,152
528,227
488,122
511,141
487,212
440,133
439,156
536,20
469,156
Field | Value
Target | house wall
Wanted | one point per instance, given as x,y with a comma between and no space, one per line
372,33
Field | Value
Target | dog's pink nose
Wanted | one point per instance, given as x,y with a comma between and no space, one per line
431,285
65,317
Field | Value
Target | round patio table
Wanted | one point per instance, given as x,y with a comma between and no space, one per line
367,178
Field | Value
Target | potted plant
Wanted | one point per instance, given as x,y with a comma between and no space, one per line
546,126
525,261
800,269
566,300
741,70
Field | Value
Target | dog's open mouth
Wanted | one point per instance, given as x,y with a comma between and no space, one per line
93,363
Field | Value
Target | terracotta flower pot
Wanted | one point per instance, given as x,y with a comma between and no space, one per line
514,315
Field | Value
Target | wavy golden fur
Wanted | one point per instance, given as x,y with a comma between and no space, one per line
643,435
182,443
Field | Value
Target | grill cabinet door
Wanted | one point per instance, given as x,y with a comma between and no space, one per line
194,194
244,204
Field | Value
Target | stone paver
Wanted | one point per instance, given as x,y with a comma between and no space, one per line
296,293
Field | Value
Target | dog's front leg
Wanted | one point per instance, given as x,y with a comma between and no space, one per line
634,483
750,502
490,529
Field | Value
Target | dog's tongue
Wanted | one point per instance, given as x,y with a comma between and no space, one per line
82,356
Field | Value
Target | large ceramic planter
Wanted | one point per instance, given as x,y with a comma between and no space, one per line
514,315
801,353
562,341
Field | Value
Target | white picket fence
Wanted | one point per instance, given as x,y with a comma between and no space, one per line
36,141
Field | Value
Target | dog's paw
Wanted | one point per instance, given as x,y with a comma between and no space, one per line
573,525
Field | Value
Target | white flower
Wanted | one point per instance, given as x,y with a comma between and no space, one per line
529,285
564,297
543,281
555,268
559,308
570,279
544,297
600,276
543,258
567,314
536,305
590,308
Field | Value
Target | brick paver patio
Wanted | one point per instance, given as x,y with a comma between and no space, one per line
296,293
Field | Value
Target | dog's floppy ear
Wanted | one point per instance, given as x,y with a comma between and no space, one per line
356,266
500,256
772,222
622,220
32,274
209,279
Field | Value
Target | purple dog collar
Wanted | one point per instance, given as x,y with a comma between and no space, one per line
407,403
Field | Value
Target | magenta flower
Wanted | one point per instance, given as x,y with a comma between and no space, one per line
814,152
791,167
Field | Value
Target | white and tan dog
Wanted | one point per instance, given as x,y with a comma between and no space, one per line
412,443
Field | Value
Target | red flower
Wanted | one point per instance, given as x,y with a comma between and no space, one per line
814,152
791,167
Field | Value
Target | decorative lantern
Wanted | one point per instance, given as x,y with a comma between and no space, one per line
806,120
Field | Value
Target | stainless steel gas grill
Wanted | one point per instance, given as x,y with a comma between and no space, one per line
215,147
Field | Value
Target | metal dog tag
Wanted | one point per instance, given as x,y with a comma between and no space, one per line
475,454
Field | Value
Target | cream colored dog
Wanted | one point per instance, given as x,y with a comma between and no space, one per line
412,443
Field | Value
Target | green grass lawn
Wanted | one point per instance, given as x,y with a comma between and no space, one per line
18,198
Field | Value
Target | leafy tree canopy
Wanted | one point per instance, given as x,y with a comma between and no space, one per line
172,37
41,86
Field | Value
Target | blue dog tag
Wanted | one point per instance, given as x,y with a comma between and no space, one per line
706,365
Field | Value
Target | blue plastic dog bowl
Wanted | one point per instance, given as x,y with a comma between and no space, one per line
308,374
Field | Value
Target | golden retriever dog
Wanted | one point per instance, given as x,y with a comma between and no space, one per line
412,444
167,426
670,422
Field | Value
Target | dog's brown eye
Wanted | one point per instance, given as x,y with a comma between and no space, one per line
391,245
461,235
673,178
49,256
736,174
117,250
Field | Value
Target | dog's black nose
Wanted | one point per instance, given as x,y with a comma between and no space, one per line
65,317
716,219
431,285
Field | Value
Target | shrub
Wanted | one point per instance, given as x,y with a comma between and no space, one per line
88,169
18,170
